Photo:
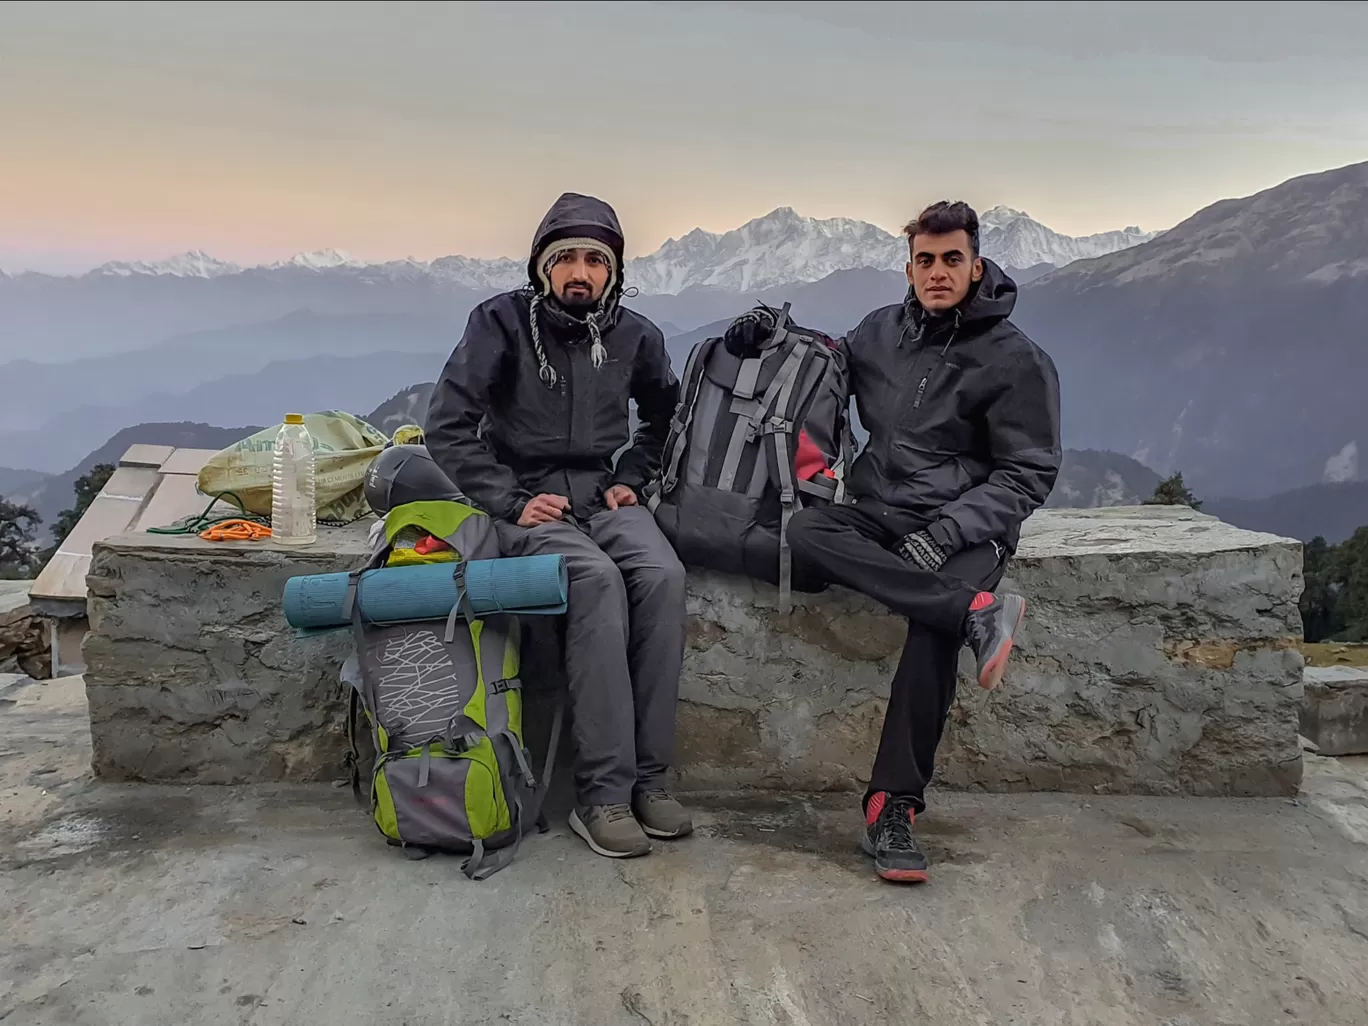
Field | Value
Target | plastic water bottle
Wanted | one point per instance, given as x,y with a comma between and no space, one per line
294,515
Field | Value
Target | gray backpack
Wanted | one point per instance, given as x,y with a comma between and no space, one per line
761,430
443,701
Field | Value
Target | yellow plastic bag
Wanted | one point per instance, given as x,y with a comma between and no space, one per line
343,449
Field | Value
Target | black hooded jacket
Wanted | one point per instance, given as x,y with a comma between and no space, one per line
502,435
962,411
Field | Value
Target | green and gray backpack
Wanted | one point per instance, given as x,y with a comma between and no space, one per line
444,706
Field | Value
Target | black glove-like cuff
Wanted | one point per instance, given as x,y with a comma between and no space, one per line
919,549
747,333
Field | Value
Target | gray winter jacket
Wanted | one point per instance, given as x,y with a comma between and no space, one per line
502,435
962,411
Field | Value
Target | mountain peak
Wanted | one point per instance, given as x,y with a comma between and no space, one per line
321,260
194,263
1001,215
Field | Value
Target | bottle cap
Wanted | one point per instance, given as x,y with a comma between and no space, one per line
294,418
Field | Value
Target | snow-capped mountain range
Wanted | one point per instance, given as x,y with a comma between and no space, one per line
781,248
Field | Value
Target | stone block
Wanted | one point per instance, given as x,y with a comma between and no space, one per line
23,634
1158,657
1334,710
192,673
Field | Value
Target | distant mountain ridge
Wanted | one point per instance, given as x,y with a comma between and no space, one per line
781,248
1230,348
263,396
56,492
1330,511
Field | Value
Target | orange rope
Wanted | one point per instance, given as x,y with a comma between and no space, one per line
236,530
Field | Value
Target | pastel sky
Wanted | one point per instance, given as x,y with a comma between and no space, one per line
256,130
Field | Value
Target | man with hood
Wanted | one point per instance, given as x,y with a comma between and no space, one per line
526,418
962,411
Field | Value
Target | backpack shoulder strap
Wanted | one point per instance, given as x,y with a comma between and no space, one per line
354,752
677,440
780,427
368,694
534,809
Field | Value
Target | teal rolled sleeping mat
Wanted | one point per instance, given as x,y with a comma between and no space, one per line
525,585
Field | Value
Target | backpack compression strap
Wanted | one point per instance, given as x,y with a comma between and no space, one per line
482,865
750,411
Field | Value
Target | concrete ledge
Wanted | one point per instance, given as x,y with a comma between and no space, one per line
1334,711
1157,658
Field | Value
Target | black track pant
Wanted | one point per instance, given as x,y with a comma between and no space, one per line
850,545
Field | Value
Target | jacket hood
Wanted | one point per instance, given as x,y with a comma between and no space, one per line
988,302
574,215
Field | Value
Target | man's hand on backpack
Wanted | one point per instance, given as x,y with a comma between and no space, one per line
920,549
619,495
542,509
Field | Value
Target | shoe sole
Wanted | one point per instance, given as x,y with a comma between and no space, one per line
893,875
667,835
577,825
991,676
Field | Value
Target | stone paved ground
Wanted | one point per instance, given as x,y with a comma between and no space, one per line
202,905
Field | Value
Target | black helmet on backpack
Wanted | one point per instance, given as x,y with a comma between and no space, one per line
406,473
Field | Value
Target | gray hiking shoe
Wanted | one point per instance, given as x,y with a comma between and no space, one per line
610,830
660,815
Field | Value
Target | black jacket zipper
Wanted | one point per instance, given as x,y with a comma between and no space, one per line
921,386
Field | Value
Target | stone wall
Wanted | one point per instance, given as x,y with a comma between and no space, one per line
24,646
1157,658
192,673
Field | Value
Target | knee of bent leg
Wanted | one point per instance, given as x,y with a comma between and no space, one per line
668,576
595,577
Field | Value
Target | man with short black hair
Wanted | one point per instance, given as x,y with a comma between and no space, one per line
962,411
525,420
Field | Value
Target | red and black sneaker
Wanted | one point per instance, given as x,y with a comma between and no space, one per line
888,839
990,630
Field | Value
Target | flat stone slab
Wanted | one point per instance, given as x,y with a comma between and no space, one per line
14,600
1158,657
276,905
23,636
1334,711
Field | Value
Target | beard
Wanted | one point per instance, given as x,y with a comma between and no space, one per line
580,300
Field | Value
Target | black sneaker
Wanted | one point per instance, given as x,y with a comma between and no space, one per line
888,838
990,630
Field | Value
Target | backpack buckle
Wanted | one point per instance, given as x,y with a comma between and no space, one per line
465,742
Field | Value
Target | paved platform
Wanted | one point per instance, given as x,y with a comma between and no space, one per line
257,905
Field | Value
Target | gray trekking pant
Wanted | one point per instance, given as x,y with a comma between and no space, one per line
624,643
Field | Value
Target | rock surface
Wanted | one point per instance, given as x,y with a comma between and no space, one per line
1157,658
1334,711
24,645
192,672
